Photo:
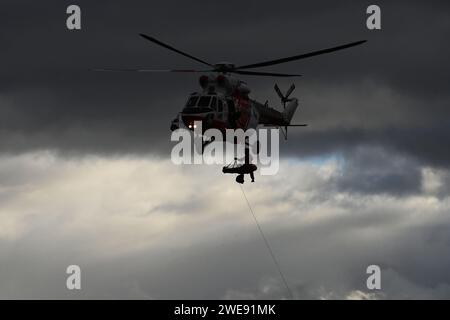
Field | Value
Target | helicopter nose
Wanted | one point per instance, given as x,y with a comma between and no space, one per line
190,121
192,126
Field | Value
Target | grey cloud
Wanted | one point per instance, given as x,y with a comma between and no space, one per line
376,171
323,240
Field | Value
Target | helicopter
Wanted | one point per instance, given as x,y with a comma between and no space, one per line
224,103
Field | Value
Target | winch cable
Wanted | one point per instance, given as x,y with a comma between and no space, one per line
267,244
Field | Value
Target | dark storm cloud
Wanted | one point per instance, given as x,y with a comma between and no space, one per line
426,144
50,99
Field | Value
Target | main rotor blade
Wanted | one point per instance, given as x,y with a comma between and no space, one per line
267,74
151,70
301,56
173,49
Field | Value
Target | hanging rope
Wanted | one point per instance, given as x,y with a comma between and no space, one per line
267,245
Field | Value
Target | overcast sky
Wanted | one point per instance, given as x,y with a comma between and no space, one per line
86,177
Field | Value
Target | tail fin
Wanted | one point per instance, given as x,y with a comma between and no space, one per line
290,109
290,106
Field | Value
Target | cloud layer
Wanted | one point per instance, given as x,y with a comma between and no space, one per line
144,228
85,177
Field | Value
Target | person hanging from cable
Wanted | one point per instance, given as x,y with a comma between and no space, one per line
241,169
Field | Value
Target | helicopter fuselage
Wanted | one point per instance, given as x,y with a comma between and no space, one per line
224,103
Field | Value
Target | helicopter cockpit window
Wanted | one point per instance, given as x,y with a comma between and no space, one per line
214,103
231,106
192,101
204,101
220,110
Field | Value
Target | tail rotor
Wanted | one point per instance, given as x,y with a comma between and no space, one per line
284,98
290,106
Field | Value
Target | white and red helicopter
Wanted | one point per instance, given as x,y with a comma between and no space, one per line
224,102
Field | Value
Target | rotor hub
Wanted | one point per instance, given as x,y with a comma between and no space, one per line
224,67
